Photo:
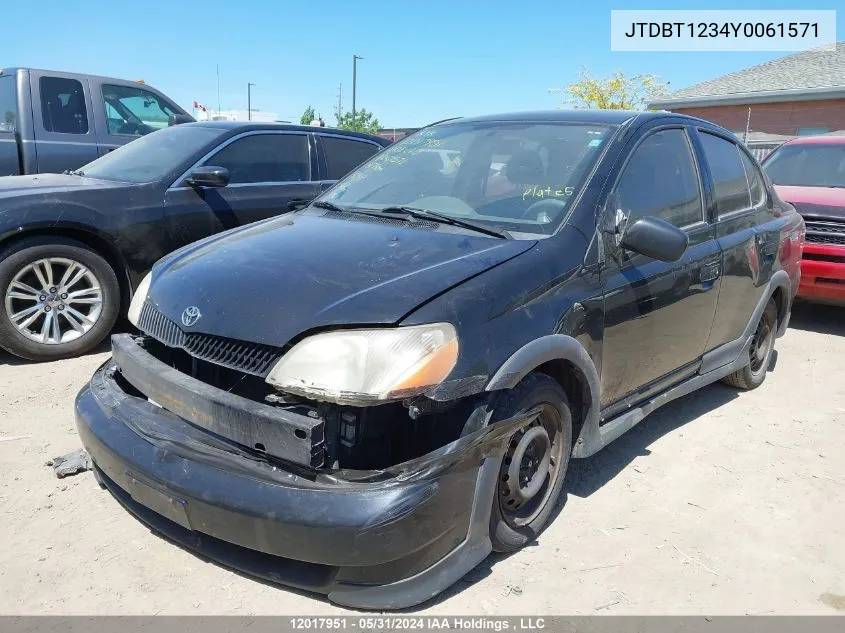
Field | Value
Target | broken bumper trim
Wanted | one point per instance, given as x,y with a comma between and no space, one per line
385,544
294,438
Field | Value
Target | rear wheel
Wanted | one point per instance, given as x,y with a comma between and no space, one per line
60,299
533,468
760,353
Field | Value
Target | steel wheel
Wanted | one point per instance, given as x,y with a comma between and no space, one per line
530,467
54,300
761,342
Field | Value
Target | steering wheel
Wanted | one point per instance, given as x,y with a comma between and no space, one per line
551,206
445,204
129,127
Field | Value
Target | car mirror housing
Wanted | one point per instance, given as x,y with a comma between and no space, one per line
209,176
177,119
656,238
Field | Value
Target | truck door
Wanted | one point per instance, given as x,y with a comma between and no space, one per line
64,133
125,110
9,159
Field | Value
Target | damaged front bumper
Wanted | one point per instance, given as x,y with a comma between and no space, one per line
381,539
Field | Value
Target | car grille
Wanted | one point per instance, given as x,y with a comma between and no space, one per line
819,232
250,358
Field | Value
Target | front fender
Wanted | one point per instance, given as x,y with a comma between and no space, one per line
557,347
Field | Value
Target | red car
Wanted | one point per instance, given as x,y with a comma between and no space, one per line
809,173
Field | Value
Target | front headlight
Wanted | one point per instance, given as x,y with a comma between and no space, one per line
363,366
138,300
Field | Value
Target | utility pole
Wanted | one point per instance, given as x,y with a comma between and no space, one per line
218,90
249,101
355,59
339,111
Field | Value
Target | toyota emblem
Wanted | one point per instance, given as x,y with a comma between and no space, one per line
190,316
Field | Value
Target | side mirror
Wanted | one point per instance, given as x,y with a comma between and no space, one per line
209,176
176,119
655,238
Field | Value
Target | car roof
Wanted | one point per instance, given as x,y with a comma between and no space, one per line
249,126
817,140
608,117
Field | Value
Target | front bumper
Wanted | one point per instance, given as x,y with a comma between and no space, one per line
382,539
823,273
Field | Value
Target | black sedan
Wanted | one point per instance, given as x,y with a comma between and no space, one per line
368,396
74,246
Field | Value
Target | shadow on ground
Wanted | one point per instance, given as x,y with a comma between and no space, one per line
8,360
818,317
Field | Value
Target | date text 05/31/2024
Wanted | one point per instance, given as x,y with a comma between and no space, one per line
723,29
417,623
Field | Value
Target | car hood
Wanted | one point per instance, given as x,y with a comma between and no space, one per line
13,186
269,282
815,202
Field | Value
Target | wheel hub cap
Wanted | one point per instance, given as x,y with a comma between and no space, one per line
54,300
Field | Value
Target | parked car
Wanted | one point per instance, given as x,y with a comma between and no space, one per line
52,121
367,396
74,246
809,173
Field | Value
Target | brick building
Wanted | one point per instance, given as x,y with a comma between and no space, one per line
796,95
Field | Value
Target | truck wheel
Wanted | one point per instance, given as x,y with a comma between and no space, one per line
534,466
60,299
760,354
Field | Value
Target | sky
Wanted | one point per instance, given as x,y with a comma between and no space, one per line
422,60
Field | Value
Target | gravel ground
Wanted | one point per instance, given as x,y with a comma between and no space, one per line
719,503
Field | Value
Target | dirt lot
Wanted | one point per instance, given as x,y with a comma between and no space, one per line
720,503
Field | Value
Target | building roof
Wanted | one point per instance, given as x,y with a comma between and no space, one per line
805,76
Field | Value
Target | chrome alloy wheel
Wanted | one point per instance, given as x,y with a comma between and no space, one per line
54,300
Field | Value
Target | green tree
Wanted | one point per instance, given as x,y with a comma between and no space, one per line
616,92
308,116
362,122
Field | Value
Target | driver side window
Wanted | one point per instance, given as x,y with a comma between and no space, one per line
661,180
135,111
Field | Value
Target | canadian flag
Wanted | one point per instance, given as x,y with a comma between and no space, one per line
199,106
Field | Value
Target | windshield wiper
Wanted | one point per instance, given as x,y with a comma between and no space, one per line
425,214
73,172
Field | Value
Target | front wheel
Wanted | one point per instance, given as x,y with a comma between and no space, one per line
534,466
759,354
60,299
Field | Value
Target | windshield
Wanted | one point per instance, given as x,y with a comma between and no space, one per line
153,156
520,177
807,165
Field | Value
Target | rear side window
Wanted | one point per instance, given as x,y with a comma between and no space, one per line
345,154
63,107
755,180
729,181
265,158
8,105
661,180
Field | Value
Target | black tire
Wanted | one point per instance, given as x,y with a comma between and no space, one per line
760,354
16,258
507,533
